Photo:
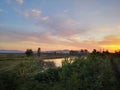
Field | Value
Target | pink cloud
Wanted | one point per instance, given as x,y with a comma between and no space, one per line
20,1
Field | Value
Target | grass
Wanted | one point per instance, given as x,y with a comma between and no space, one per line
11,60
93,73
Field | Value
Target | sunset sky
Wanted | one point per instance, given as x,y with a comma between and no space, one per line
60,24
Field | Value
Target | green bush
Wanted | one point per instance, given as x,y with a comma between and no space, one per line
50,75
93,73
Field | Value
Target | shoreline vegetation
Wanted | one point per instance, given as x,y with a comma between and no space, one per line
88,71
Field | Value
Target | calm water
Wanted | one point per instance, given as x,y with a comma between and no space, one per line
58,62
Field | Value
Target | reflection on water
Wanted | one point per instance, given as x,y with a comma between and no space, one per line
58,62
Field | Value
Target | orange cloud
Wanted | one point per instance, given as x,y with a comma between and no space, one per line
111,42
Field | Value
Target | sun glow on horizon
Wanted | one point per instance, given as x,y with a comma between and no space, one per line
58,25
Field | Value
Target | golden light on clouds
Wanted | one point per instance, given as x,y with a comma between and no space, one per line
60,25
111,48
111,43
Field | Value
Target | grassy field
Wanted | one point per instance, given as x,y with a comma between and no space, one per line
99,71
11,60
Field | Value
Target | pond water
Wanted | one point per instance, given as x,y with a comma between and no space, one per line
58,61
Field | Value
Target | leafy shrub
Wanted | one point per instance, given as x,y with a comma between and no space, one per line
50,75
93,73
8,81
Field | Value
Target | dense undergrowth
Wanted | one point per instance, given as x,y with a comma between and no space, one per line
93,73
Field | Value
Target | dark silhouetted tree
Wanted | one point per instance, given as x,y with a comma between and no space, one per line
39,52
29,52
94,51
72,52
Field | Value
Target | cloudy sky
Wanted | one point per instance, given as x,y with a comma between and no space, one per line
60,24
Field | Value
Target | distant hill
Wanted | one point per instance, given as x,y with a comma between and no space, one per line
11,51
18,51
58,51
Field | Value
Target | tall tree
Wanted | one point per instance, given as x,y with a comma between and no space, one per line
39,52
29,52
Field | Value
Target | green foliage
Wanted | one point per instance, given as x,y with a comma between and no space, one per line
8,81
50,75
93,73
21,77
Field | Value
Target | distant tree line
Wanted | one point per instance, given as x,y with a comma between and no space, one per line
29,52
81,52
